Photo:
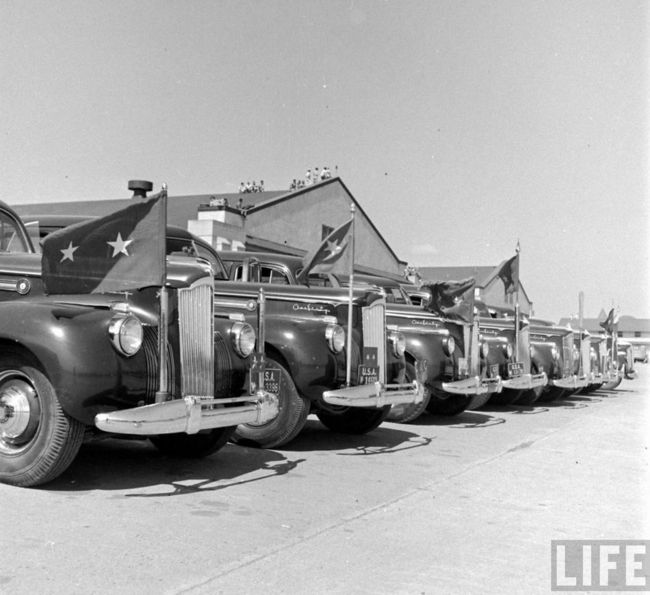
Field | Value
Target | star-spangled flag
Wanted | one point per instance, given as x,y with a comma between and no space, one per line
330,251
119,252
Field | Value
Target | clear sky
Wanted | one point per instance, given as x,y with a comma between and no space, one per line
460,126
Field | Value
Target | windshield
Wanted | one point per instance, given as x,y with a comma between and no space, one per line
11,237
189,247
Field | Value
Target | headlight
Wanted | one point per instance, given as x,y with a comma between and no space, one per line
508,350
448,346
126,334
576,355
592,355
243,338
399,343
555,354
335,336
485,349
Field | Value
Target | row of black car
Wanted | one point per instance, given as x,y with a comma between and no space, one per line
231,346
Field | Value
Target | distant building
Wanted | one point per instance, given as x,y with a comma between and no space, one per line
629,327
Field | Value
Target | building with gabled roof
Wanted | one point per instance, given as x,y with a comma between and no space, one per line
290,222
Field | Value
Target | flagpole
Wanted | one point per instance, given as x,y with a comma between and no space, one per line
348,370
163,391
517,311
471,364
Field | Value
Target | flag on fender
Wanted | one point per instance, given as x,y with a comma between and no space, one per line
121,251
610,324
446,298
330,251
508,272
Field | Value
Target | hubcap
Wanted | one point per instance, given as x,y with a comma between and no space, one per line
19,410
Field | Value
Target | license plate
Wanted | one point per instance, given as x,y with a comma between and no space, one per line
515,370
272,380
494,370
368,374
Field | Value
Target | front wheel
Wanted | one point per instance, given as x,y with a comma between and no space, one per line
293,412
551,393
450,405
411,411
39,440
194,446
530,396
352,420
506,397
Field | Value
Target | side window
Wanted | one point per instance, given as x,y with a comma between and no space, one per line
237,273
317,280
273,276
11,237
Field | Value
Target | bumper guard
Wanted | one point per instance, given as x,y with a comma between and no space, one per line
570,382
526,381
473,386
189,415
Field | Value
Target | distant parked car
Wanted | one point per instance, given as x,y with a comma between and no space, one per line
455,380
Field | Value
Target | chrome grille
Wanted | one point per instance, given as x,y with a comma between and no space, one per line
523,354
150,349
567,353
223,364
196,331
374,333
585,356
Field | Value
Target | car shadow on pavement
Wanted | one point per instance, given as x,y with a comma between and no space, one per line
117,464
614,391
466,419
385,439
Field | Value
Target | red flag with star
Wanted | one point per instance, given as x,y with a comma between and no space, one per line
331,250
119,252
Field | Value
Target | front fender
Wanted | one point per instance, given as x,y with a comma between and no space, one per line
303,346
73,347
428,346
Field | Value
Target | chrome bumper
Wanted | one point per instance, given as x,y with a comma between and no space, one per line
631,375
571,382
596,378
376,395
473,386
189,415
526,381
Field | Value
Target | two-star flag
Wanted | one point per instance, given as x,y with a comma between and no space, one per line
330,251
121,251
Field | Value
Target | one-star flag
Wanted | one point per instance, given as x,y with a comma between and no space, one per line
121,251
331,250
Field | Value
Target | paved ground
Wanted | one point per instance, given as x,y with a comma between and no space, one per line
464,505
